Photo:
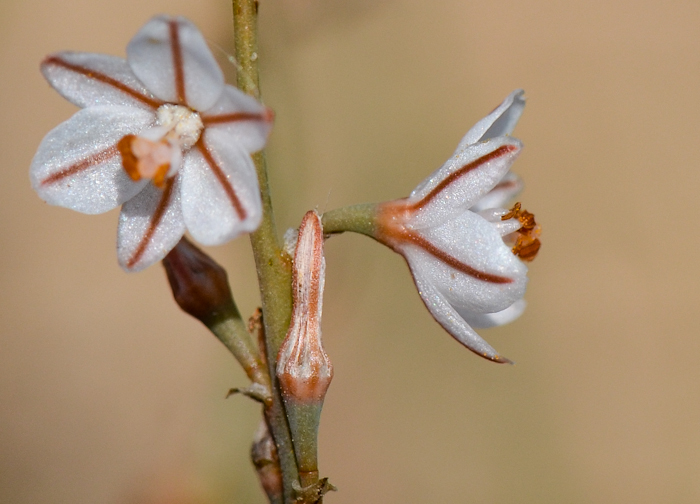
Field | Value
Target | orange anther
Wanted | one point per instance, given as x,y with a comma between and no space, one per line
143,158
527,244
129,160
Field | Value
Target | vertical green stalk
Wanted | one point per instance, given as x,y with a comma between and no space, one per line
273,265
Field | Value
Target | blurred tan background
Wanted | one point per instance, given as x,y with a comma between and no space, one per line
108,394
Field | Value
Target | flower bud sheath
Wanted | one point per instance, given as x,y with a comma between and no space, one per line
303,368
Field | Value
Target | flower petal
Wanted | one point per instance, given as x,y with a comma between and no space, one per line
468,263
88,80
169,55
247,121
220,194
78,165
484,320
150,225
462,181
500,122
445,314
503,192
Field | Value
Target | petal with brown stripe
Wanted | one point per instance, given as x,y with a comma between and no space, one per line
150,225
77,164
468,263
446,315
247,121
464,179
220,194
169,55
89,80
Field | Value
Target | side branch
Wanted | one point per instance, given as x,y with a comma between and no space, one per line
357,218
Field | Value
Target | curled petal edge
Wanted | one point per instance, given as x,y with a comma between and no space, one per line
454,323
486,320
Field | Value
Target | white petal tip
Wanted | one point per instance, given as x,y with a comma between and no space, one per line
500,359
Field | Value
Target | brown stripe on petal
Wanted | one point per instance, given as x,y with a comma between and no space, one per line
235,117
501,151
105,79
177,61
82,165
453,262
223,180
156,218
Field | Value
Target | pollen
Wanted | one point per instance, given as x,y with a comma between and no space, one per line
143,158
527,242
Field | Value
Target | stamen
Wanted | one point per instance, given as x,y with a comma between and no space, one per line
129,160
143,158
527,243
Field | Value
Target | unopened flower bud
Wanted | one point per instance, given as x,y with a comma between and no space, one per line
303,368
200,286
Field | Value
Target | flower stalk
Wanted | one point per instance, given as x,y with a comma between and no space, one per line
272,263
356,218
201,289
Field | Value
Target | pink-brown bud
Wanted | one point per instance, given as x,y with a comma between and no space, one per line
303,368
200,286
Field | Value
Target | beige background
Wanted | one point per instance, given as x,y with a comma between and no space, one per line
108,394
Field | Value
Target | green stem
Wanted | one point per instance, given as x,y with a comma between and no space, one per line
273,265
232,331
357,218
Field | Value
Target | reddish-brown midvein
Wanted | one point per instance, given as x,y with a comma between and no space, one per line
221,177
505,149
235,117
391,234
98,76
94,159
177,62
153,225
452,261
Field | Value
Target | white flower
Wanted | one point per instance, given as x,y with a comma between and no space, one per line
161,134
452,237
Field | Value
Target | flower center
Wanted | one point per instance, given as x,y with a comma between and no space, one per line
183,125
527,242
155,154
